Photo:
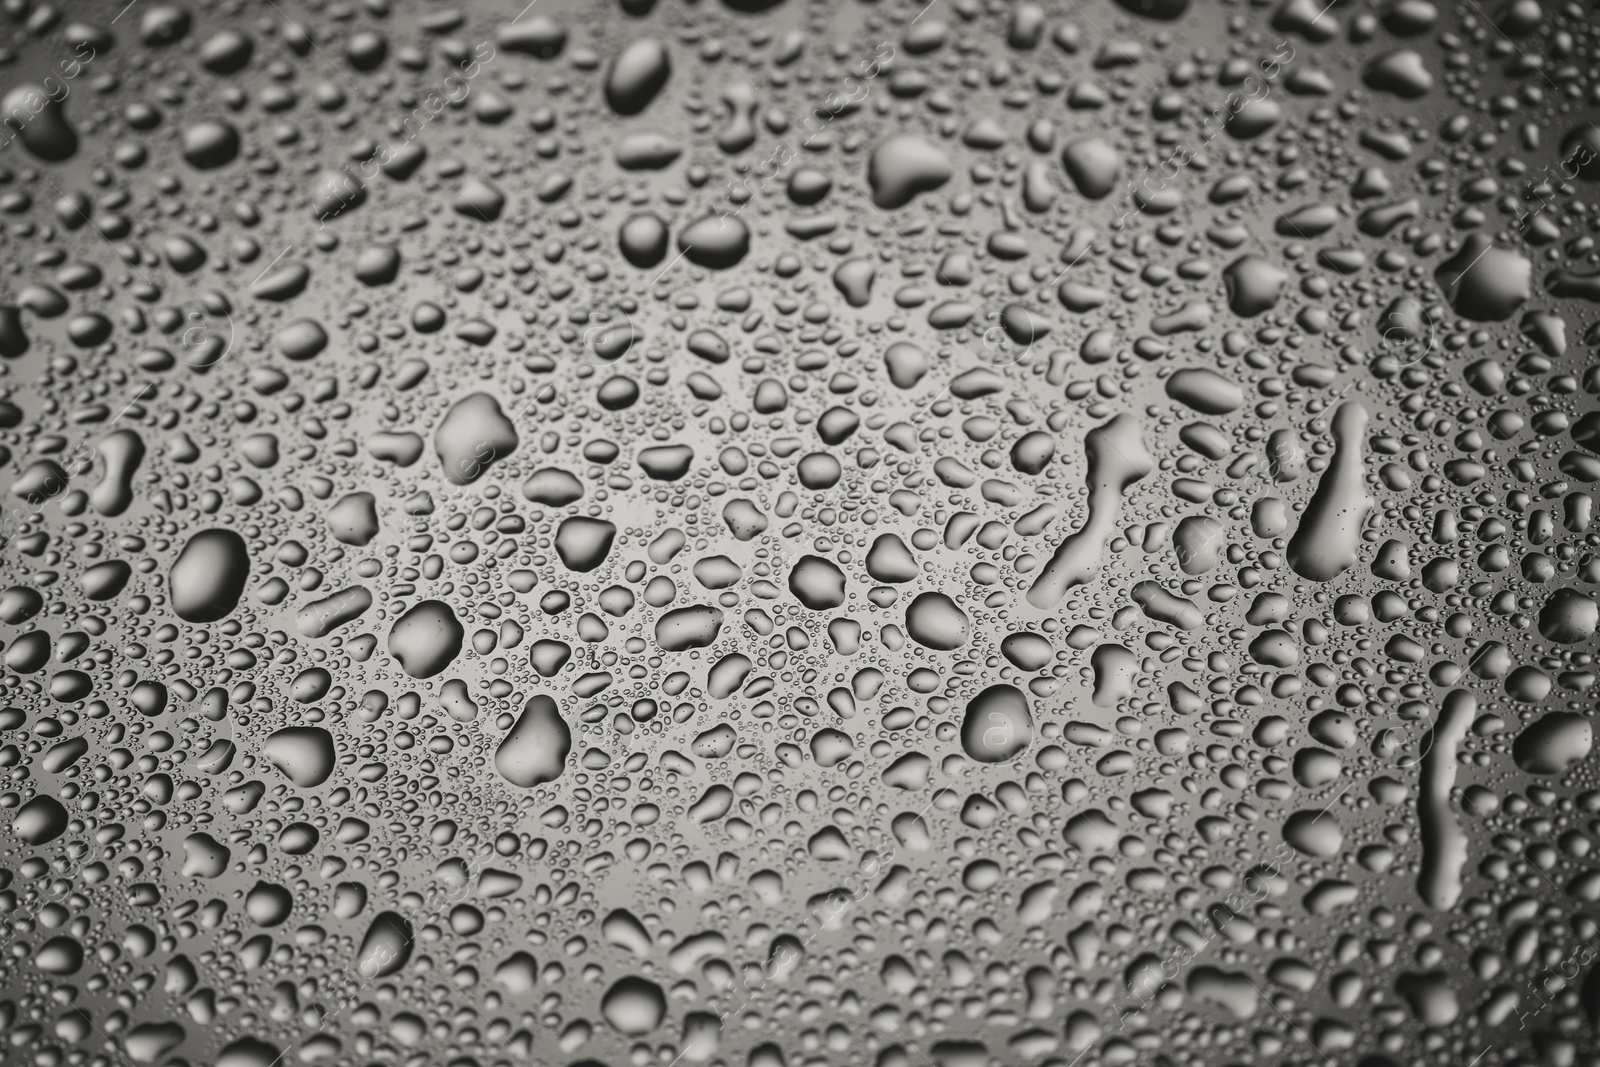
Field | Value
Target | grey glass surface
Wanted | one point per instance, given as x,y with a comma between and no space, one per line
800,533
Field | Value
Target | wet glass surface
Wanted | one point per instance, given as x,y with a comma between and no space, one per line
799,533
